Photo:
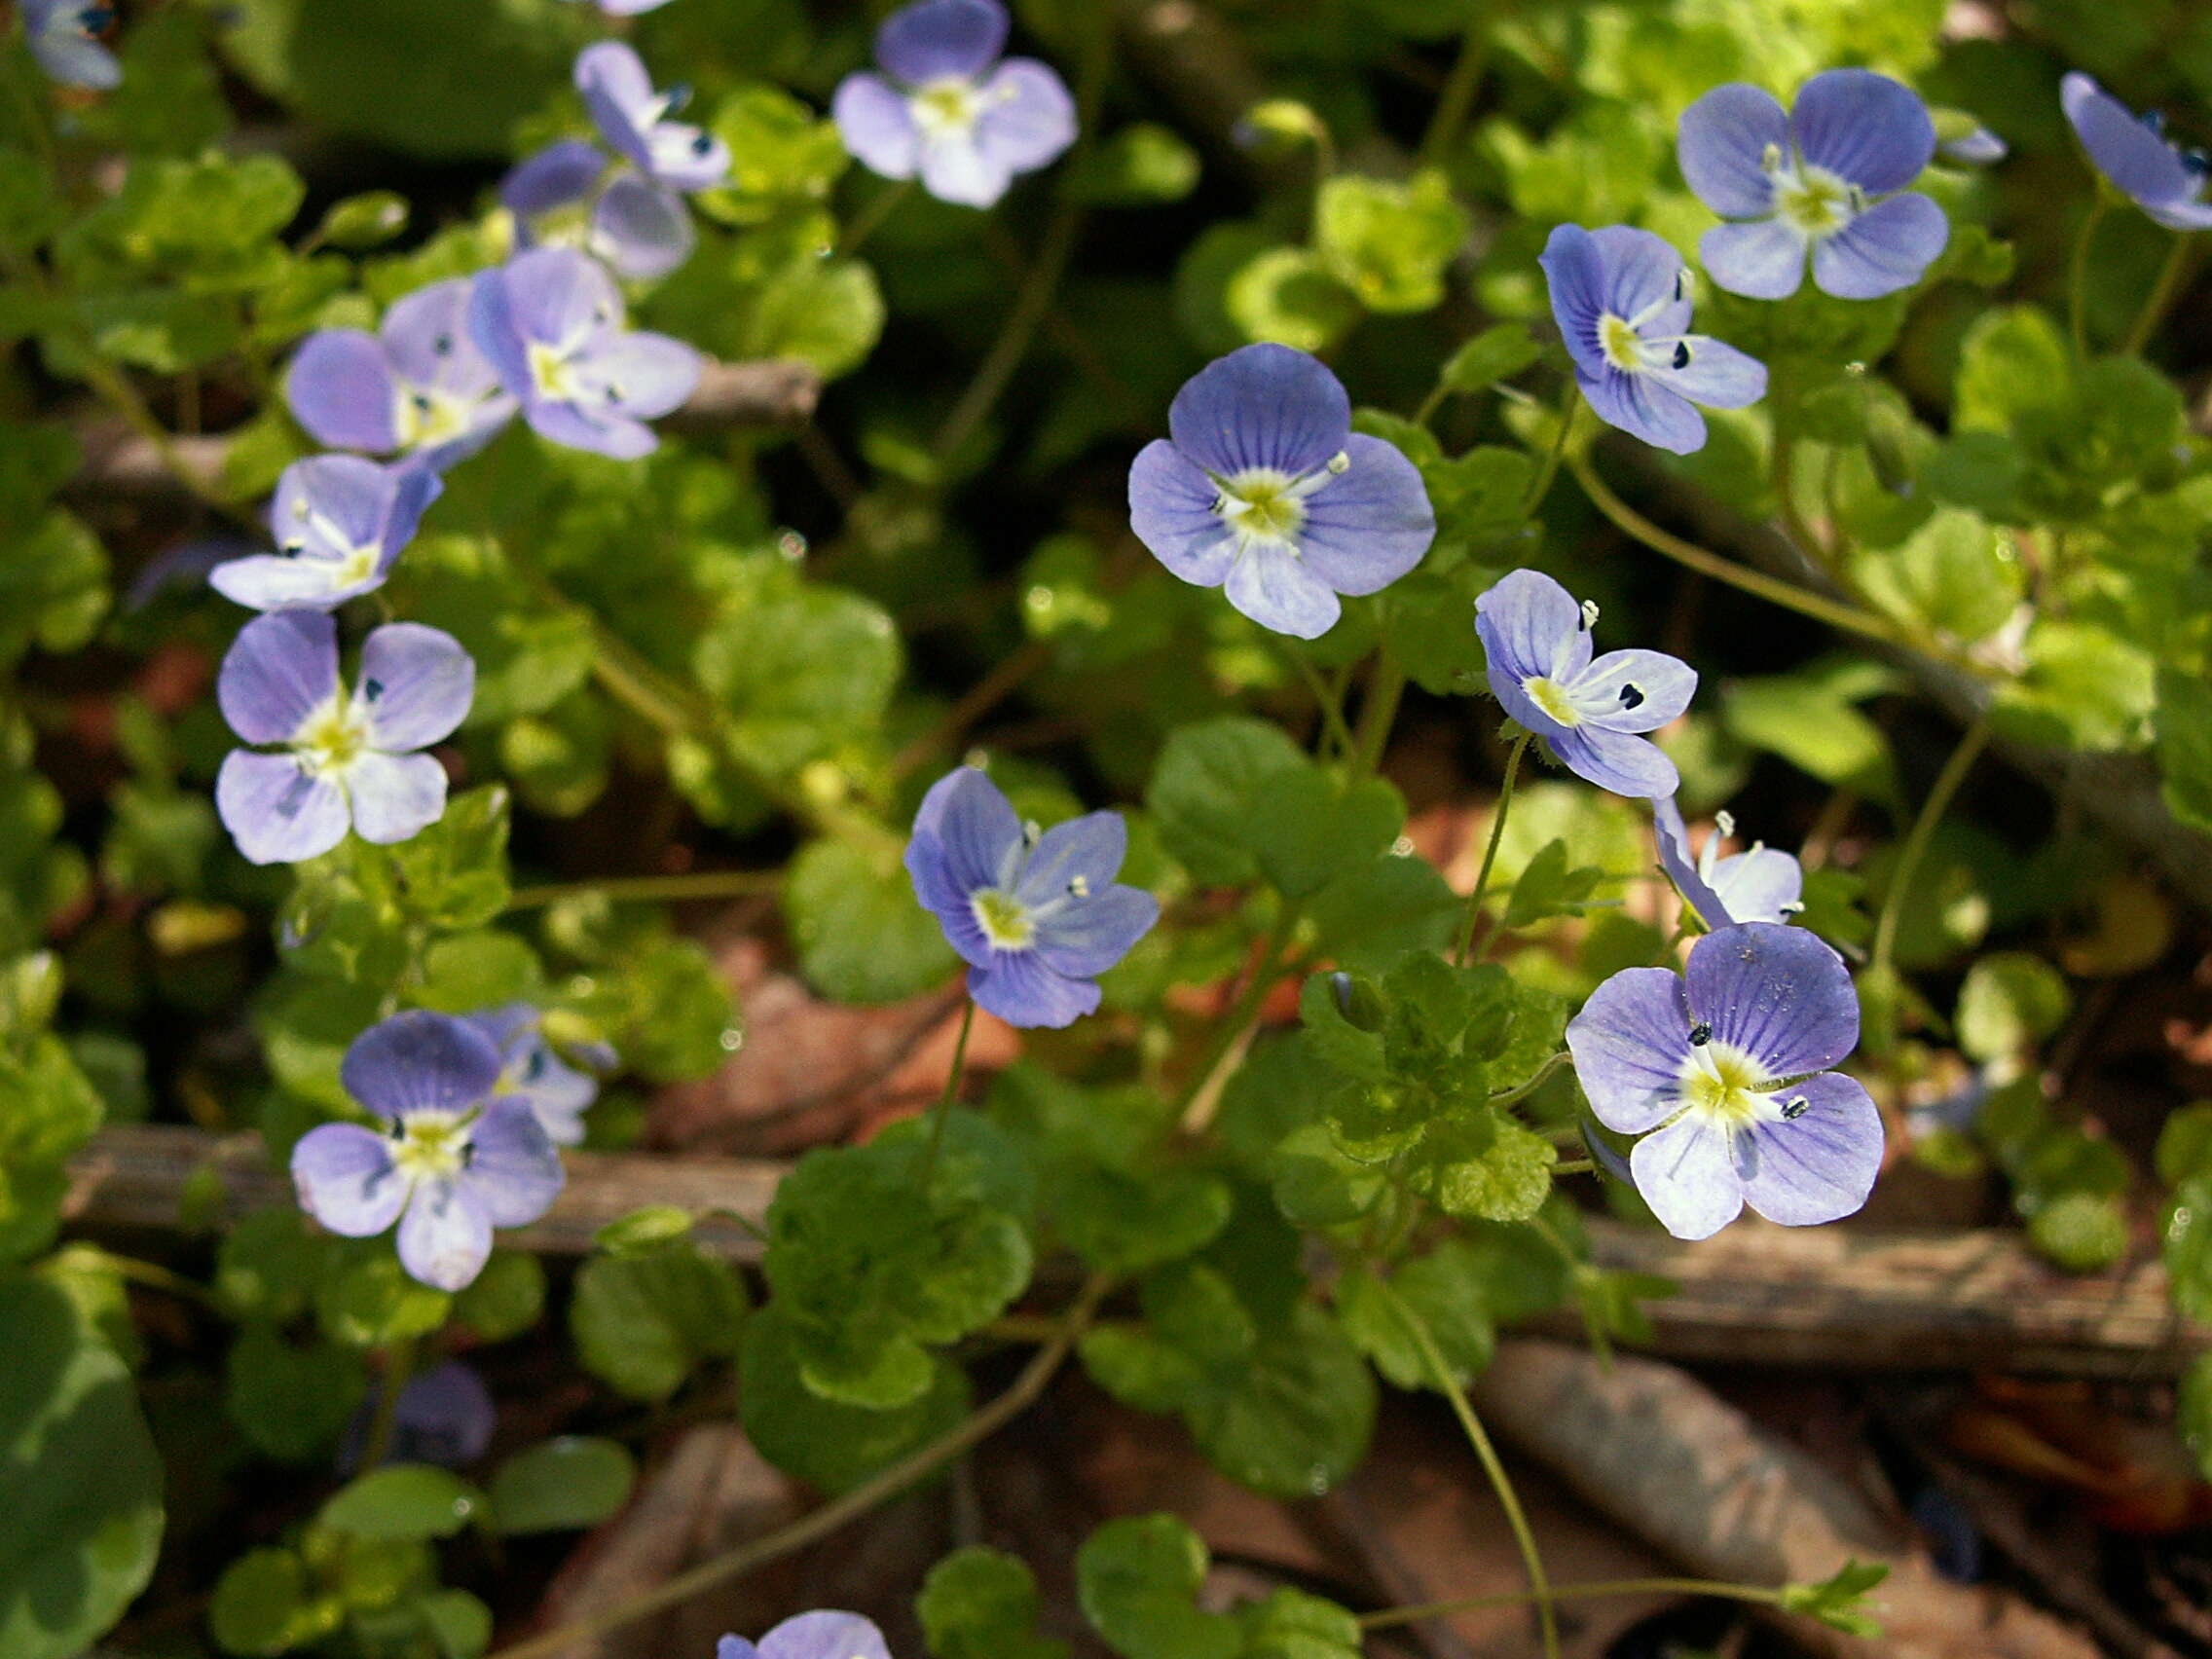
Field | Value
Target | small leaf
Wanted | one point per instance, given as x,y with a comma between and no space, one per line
569,1482
402,1501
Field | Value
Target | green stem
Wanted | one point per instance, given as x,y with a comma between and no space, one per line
2163,294
1513,1097
869,219
1531,1562
1385,689
1332,703
1589,1590
154,1277
1458,97
398,1366
951,1093
1931,810
1024,1392
1541,485
645,889
1198,1106
1490,853
1782,471
1574,1166
1836,614
2078,280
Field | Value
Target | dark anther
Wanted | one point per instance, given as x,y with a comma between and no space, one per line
1632,697
443,345
537,1067
1701,1034
702,144
371,690
1679,278
94,20
1792,1110
422,402
2196,162
1681,355
2156,121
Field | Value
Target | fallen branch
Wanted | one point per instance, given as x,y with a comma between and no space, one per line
1826,1296
1662,1456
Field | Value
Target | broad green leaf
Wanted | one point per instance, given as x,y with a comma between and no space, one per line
404,1501
982,1603
2010,1002
643,1322
560,1485
1138,1581
822,1442
861,936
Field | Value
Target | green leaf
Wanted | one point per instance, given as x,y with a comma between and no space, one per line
1138,165
982,1603
1316,828
2011,360
560,1485
51,1109
782,154
1389,244
1444,1291
1287,295
264,1605
404,1501
1815,728
802,667
2081,1231
828,316
80,1480
1547,888
2010,1002
454,874
1954,575
505,1298
1138,1580
1486,1167
2183,721
1213,786
2185,1144
825,1443
643,1322
1290,1624
460,1621
2186,1236
2085,687
1497,353
367,1299
1839,1603
291,1403
861,936
528,655
365,221
2193,1412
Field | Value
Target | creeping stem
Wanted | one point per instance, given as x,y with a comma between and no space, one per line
398,1366
1490,853
642,888
1205,1086
2162,295
1457,98
1591,1590
1024,1392
1539,1587
1931,810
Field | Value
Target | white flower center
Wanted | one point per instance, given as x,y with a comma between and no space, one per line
1549,695
554,374
945,108
432,1146
426,416
1721,1083
1265,507
1813,200
1006,921
331,739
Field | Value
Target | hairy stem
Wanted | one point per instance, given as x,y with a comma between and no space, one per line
398,1367
1490,852
2164,292
1204,1097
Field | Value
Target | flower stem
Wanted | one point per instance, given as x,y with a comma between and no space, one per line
642,889
154,1277
1385,689
1591,1590
869,219
1490,853
1836,614
1024,1392
951,1092
1511,1097
1541,485
2162,295
1331,702
2078,279
398,1366
1457,98
1531,1562
1915,849
1204,1097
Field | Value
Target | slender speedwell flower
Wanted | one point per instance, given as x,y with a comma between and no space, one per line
1759,884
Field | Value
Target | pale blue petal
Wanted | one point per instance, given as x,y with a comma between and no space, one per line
1676,858
1532,627
1092,935
1087,850
824,1635
1716,375
1171,511
445,1238
340,388
395,797
1261,406
1722,144
1819,1165
1632,691
936,40
877,125
514,1171
1780,994
277,813
1369,525
1020,988
1616,760
278,670
1760,885
1028,119
1644,409
641,229
1864,128
1763,259
415,684
1575,276
1888,247
1687,1174
956,168
1629,1044
1274,587
345,1179
419,1062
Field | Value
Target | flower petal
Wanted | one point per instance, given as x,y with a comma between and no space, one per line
1686,1172
346,1180
573,427
1616,760
427,335
941,39
1020,988
1644,272
1274,587
619,94
1092,936
514,1172
266,581
1370,524
416,685
395,797
1575,276
1629,1044
278,670
1530,627
1820,1165
1089,849
824,1635
1636,690
1760,885
1674,858
327,505
1722,144
877,125
558,175
1028,119
955,169
1764,259
1644,409
1885,248
1261,406
277,813
1171,511
1716,375
1864,127
445,1238
974,826
641,229
1780,994
419,1062
642,375
340,388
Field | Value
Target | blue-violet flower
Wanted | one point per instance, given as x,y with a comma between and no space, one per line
1759,884
631,115
1823,177
823,1635
2156,175
1591,713
1035,917
1264,490
419,383
1728,1065
532,1071
340,522
639,229
444,1416
65,36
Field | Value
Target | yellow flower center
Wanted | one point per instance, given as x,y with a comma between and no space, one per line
1263,508
433,1146
1723,1082
1617,338
1816,201
1004,919
945,107
428,417
331,739
1550,696
552,374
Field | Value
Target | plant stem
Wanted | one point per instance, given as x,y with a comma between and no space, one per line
1490,853
890,1483
2162,295
951,1092
1331,704
979,699
398,1366
1783,475
1590,1590
1385,689
1541,485
1457,98
692,884
1931,810
1836,614
1512,1096
2077,275
869,219
154,1277
1532,1563
1204,1097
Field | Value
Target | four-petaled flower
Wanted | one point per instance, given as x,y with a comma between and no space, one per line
419,383
1728,1066
532,1071
2156,175
1591,713
449,1164
65,36
641,228
1759,884
551,322
341,759
823,1635
1821,177
1263,490
633,118
1621,299
338,523
950,110
1037,917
